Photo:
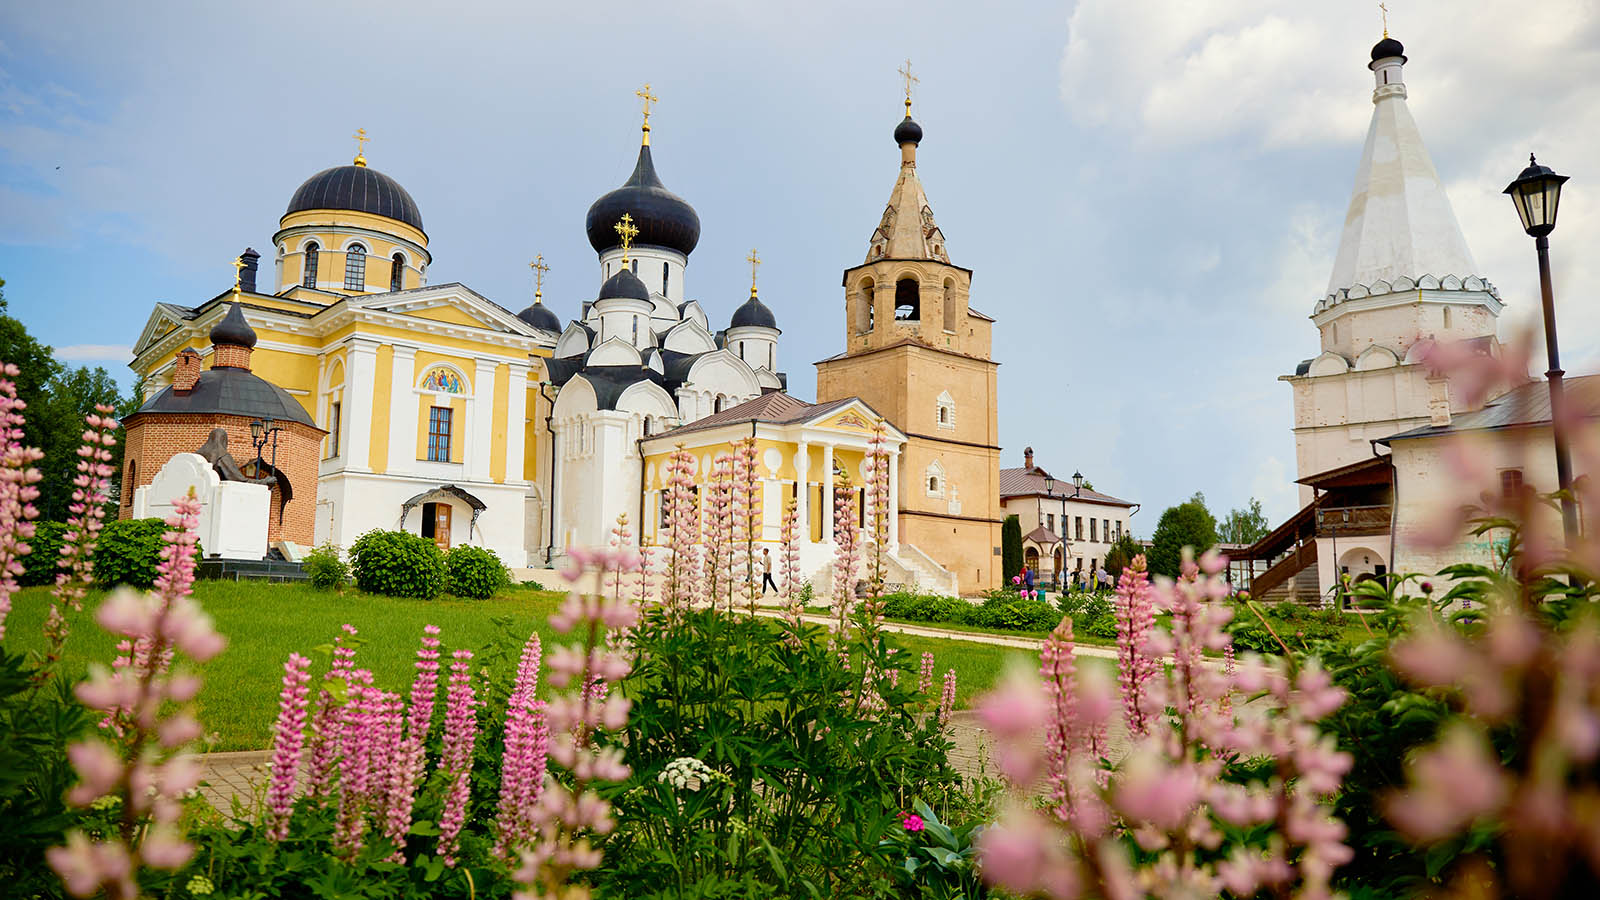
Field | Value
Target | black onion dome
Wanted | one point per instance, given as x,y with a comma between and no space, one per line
540,316
358,188
1388,47
624,285
663,218
229,391
753,314
233,329
907,132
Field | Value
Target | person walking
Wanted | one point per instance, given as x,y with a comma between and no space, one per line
766,572
1027,578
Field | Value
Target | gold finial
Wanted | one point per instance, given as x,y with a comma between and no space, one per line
910,79
754,259
1385,10
539,268
238,273
361,146
627,231
648,98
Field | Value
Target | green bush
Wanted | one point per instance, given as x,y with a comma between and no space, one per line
1014,614
398,564
39,566
474,572
1003,610
325,568
128,552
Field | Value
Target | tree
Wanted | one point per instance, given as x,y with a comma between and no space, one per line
1011,548
1189,524
1122,552
1244,526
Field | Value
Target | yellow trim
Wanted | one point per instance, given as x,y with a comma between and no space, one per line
378,453
497,437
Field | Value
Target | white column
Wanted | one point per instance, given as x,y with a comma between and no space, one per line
361,372
480,421
516,421
827,493
894,501
802,492
558,468
403,411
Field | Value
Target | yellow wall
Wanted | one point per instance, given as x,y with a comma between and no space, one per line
378,455
497,447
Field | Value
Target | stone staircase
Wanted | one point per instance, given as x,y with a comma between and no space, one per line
910,570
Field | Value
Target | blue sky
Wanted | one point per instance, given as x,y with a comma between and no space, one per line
1149,192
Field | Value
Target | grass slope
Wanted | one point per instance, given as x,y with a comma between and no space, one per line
264,623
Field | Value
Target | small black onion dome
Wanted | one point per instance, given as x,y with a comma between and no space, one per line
624,285
540,316
753,314
1388,47
233,329
357,188
907,132
663,218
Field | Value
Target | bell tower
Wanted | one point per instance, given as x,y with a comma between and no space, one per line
919,354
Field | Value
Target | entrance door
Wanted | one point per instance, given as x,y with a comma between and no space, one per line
441,525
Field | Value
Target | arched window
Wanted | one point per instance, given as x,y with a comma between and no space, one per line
950,304
355,268
666,273
397,269
907,300
933,484
946,409
309,279
1447,317
635,266
863,320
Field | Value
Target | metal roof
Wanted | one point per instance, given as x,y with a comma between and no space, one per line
1526,406
1026,482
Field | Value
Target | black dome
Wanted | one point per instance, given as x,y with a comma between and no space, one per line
232,392
663,218
359,188
539,316
753,314
907,132
233,329
1388,47
625,285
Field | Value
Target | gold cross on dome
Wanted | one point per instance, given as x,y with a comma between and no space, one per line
648,98
361,146
754,259
539,268
1385,11
238,272
627,231
910,79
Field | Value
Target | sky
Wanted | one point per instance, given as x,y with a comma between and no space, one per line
1149,192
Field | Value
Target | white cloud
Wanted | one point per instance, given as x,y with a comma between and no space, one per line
80,353
1273,486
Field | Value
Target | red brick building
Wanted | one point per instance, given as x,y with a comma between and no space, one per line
180,418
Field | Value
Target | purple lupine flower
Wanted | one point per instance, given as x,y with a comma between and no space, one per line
947,701
356,732
325,718
17,492
523,763
460,733
288,740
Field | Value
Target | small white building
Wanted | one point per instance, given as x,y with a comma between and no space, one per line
1066,528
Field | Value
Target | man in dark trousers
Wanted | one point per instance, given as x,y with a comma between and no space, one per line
766,572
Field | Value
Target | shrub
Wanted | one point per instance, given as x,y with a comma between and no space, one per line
128,552
1013,614
398,564
474,572
325,567
39,566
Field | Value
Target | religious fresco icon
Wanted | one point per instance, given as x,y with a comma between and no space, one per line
442,380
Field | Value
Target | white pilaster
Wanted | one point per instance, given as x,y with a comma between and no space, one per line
827,493
894,501
480,421
802,493
558,450
361,372
516,422
403,411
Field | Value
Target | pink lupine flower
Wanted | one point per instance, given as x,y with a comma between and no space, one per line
325,717
947,700
523,764
17,492
718,532
789,565
1134,609
87,511
288,740
357,730
682,579
846,554
877,500
925,674
460,733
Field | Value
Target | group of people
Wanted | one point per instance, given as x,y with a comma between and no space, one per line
1093,580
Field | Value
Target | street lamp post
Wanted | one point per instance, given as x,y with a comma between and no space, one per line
1536,193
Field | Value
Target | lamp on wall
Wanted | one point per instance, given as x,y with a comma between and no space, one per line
1077,483
262,431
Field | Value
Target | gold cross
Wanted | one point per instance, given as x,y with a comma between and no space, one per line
539,268
238,272
627,231
648,98
361,146
754,259
910,79
1385,11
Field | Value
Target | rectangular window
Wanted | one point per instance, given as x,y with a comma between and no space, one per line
1105,528
355,269
1510,482
666,519
1119,530
1093,536
1078,523
334,415
439,433
1050,522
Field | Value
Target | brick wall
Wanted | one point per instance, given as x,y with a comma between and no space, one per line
231,355
152,439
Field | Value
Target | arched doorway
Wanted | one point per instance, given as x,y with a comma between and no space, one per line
1362,564
1030,558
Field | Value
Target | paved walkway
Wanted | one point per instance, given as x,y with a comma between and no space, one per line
976,637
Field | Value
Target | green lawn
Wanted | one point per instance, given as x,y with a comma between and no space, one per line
265,623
